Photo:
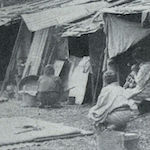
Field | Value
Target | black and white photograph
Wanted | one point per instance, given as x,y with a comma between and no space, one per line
74,74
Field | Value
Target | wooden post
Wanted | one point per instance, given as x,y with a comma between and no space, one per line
96,52
97,80
92,84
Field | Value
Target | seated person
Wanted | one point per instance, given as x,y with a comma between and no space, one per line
49,88
131,78
113,107
142,57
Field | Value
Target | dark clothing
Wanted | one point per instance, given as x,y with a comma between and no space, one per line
48,98
144,107
51,83
49,90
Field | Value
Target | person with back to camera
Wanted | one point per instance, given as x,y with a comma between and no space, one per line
113,109
49,88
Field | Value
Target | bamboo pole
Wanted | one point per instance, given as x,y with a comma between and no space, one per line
51,54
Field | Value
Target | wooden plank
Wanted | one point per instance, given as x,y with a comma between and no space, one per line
78,80
47,50
58,65
36,52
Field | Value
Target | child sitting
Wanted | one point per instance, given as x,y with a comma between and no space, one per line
49,87
130,81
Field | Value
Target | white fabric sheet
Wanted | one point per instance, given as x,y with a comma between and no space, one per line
123,34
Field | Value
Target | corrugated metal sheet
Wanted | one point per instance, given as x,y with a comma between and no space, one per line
136,6
61,16
13,12
36,51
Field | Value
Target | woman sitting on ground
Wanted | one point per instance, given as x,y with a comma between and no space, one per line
142,79
49,88
113,109
142,57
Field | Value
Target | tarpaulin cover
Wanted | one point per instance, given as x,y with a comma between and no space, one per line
123,34
90,25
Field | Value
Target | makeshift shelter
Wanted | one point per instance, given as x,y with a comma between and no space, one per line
76,46
126,26
39,36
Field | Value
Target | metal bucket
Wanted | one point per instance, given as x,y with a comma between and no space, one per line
29,100
71,100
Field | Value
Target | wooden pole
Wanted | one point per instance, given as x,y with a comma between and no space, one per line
100,68
92,83
97,79
51,54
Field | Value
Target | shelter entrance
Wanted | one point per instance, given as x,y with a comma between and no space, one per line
79,55
125,60
7,40
79,46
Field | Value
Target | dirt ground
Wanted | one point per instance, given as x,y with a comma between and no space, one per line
75,116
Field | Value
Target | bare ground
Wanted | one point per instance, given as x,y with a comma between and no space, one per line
75,116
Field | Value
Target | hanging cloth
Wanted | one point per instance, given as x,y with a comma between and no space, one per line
123,34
